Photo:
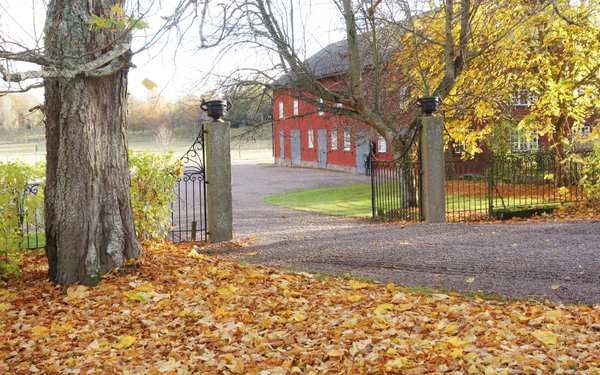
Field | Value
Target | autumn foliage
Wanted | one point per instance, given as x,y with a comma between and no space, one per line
176,311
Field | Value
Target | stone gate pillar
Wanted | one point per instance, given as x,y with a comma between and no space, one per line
433,167
218,177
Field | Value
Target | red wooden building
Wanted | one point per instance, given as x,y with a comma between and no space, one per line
306,136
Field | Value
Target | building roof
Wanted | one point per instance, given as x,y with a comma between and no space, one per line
333,59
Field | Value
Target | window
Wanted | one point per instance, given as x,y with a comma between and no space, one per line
347,141
459,148
321,113
311,138
296,107
523,98
281,114
586,130
334,139
381,145
522,142
339,105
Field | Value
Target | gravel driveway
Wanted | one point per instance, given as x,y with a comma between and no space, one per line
513,260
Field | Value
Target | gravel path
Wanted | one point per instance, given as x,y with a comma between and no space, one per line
513,260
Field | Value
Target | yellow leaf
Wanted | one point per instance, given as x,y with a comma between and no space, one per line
227,291
355,284
555,286
404,307
451,328
469,280
40,331
554,314
355,297
137,296
194,254
117,10
299,317
125,342
457,353
252,254
4,306
76,293
547,338
384,307
396,364
455,342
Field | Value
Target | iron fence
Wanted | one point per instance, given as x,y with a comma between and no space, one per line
516,184
34,236
479,189
189,210
395,190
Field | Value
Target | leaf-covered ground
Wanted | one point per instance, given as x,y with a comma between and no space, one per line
179,312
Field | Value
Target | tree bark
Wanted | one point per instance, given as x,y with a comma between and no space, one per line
89,222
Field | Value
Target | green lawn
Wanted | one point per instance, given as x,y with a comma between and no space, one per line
29,240
352,200
355,200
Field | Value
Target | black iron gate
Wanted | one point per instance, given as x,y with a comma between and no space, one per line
188,216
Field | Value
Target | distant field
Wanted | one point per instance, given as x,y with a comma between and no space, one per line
246,144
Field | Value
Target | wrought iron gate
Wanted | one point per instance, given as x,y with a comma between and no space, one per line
188,215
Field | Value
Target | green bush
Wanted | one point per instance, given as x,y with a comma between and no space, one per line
16,208
591,176
153,177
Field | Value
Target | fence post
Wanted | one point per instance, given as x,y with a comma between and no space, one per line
434,173
218,176
490,190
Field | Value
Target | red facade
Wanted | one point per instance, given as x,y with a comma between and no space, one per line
326,128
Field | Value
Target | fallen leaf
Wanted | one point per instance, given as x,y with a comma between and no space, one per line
40,331
76,293
335,353
469,280
396,364
125,342
299,316
355,284
547,338
384,307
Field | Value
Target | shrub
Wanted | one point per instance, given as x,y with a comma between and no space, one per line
15,207
153,178
591,176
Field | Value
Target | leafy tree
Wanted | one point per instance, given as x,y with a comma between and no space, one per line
84,62
555,61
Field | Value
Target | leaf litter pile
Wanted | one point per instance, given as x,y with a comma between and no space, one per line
177,312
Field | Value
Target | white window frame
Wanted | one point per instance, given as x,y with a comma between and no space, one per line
321,113
311,138
334,139
523,98
586,129
296,106
521,143
339,105
381,145
281,112
347,140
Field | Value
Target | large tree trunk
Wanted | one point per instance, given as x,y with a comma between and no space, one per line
89,223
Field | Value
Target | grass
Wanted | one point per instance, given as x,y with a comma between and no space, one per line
355,201
352,200
29,240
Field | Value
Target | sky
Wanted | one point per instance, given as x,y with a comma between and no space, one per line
177,70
